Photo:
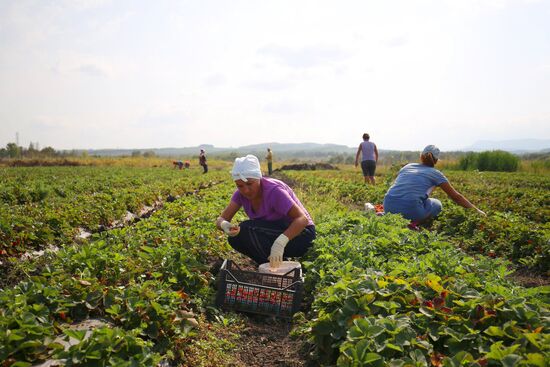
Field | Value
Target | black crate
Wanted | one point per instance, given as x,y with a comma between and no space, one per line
255,292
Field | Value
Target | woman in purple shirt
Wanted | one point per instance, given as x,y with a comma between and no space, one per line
279,225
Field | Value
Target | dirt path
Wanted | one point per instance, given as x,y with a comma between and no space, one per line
265,341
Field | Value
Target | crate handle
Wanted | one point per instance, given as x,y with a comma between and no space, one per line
232,276
290,271
290,285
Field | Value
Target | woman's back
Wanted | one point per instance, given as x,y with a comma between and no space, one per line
367,150
415,181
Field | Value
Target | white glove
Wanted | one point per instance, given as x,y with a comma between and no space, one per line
229,228
481,212
277,251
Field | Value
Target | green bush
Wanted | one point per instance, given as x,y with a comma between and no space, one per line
496,160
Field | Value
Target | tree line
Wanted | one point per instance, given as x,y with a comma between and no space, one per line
12,150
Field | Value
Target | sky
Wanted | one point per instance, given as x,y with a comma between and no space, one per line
94,74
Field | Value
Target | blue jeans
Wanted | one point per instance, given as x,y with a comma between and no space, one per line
413,210
257,236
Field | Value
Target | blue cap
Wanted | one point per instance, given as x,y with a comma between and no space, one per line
431,149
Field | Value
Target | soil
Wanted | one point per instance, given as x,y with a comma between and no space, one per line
265,341
528,279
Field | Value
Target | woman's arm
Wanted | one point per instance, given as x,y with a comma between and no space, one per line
459,198
357,155
299,222
376,152
228,213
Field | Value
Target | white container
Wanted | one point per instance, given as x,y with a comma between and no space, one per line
284,268
369,207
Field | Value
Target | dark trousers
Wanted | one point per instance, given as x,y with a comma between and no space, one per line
204,168
257,236
269,168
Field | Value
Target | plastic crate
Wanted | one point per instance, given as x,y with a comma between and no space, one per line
261,293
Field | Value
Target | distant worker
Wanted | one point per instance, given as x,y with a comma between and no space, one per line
409,194
269,158
178,164
279,225
187,164
369,158
202,161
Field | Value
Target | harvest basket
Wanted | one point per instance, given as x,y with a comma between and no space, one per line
261,293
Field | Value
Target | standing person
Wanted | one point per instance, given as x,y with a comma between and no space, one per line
409,194
202,161
269,158
369,158
279,225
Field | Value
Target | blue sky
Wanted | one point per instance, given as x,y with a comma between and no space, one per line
143,74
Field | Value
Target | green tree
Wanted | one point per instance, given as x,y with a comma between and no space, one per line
14,151
48,152
496,160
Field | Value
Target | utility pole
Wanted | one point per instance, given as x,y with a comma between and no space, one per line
17,138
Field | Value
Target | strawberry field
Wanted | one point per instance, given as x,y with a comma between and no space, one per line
376,293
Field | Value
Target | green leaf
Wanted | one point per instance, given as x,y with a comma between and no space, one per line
323,327
157,307
21,364
394,347
510,360
14,336
426,311
532,337
75,334
371,357
29,344
495,331
498,352
536,358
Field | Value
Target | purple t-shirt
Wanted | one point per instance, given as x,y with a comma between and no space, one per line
367,149
277,200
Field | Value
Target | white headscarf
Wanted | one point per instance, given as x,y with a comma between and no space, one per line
246,167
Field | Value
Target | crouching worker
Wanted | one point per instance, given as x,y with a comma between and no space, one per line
409,194
279,225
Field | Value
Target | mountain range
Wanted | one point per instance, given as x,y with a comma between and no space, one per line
315,150
515,146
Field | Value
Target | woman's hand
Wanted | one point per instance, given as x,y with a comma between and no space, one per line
277,251
230,229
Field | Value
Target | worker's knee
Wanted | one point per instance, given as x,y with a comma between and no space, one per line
434,207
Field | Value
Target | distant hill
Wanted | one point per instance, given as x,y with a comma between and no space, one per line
515,146
317,151
298,150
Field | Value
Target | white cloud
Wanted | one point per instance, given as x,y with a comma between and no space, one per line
284,107
214,80
305,57
397,41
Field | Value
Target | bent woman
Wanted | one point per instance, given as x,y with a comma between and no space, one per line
409,195
279,225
